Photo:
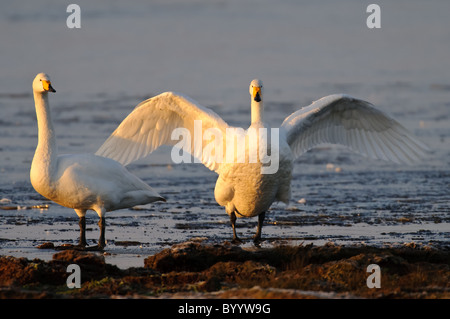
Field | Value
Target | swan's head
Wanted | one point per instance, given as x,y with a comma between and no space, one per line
42,84
256,87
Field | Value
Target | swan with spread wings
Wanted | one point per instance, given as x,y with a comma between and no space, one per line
241,186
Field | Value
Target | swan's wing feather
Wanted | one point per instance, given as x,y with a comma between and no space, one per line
151,124
342,119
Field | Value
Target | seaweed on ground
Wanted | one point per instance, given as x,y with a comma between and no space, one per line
222,271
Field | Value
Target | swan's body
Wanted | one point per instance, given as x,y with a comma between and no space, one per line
241,187
81,181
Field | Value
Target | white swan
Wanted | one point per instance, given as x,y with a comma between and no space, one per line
81,181
241,187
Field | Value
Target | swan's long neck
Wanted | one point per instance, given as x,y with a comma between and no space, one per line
257,112
46,149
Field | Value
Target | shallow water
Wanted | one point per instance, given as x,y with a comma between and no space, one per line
126,53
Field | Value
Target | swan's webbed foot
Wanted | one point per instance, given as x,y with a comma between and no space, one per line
257,241
257,238
236,240
95,248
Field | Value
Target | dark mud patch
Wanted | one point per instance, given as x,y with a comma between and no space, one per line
126,243
201,270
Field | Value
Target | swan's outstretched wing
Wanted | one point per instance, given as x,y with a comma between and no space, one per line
151,124
342,119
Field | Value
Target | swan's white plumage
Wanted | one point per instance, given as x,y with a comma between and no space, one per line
241,187
342,119
151,124
87,181
81,181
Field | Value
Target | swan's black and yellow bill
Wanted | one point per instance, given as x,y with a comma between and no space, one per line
47,85
257,94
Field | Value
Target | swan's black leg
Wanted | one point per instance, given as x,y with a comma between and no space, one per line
82,243
101,240
236,239
257,239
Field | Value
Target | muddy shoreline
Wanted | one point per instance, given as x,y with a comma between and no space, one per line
198,270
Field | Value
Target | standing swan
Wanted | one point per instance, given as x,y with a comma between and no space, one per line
242,188
80,181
